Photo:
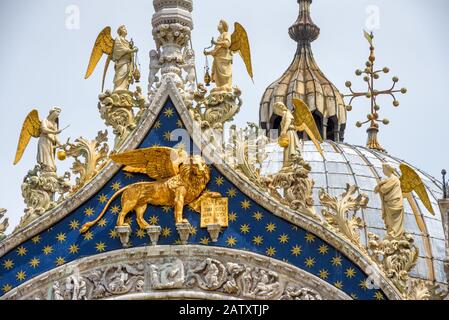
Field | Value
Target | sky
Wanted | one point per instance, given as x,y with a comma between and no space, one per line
46,45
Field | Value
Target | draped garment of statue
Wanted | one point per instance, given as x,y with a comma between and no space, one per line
392,206
46,146
222,65
122,55
294,146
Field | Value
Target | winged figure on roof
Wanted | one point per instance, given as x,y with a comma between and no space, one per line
119,50
180,180
225,47
47,132
300,120
393,190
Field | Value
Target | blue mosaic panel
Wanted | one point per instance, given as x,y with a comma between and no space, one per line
252,228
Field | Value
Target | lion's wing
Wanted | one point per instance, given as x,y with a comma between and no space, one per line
157,162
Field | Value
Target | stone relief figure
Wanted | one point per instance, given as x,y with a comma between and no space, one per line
155,66
169,275
57,295
118,279
234,270
293,292
209,274
189,68
75,288
266,284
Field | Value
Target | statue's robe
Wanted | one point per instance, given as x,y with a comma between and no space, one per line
46,146
124,66
393,206
294,146
222,65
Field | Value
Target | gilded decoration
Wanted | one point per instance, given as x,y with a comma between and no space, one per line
287,215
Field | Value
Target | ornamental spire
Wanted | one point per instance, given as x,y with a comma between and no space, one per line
174,57
304,30
304,81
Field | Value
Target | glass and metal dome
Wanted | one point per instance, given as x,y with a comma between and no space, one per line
346,164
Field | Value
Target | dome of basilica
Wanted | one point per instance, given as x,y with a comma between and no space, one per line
347,164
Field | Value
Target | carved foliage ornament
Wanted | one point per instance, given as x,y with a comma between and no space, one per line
336,212
95,154
397,256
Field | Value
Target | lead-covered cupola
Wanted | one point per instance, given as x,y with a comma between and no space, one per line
304,80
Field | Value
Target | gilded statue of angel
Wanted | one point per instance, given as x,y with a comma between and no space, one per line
121,52
225,46
180,180
392,191
47,131
301,119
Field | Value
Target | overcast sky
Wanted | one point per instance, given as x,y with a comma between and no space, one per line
44,55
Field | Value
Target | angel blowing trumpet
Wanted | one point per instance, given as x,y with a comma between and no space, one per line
180,180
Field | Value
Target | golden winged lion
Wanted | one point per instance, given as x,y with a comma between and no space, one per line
180,180
224,47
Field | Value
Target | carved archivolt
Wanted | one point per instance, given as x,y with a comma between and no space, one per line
191,270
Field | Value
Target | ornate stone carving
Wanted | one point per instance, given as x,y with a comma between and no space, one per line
209,274
73,288
117,110
293,292
296,185
4,224
245,153
170,271
336,212
169,275
418,289
39,189
260,283
214,110
95,154
173,59
397,256
114,281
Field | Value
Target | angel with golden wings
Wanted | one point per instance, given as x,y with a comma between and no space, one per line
47,131
120,51
392,191
225,46
301,119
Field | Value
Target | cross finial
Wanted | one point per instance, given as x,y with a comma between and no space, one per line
370,76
